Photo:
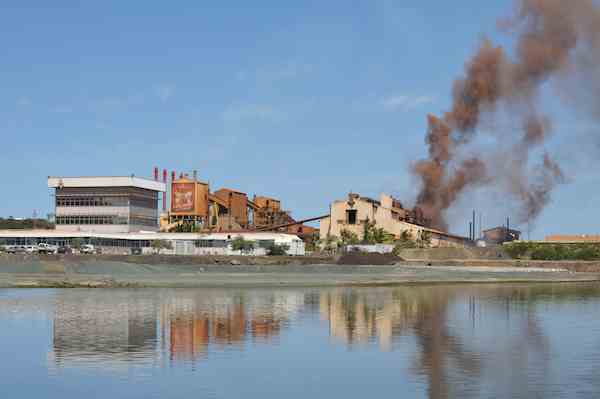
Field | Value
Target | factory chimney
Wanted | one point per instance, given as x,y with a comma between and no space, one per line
165,192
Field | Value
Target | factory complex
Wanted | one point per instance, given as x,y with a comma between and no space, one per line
129,214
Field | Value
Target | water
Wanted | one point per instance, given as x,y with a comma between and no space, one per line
487,341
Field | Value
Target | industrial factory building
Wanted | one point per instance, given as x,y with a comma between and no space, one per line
180,243
194,207
388,213
120,215
106,204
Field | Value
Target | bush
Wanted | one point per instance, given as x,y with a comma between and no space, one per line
157,245
553,252
548,252
517,250
406,241
587,252
240,244
349,238
424,239
277,249
376,235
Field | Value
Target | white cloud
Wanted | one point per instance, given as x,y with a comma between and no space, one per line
251,111
406,103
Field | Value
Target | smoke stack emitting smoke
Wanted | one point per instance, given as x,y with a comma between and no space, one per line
550,35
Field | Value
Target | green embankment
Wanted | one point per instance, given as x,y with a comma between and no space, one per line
553,251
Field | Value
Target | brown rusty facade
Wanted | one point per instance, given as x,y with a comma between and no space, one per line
189,200
225,209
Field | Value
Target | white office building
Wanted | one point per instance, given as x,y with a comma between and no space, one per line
102,204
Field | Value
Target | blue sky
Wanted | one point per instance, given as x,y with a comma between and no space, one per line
304,101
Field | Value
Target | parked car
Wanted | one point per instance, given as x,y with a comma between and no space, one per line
30,249
14,249
64,250
87,249
45,248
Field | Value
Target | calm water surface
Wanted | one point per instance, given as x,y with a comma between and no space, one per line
509,341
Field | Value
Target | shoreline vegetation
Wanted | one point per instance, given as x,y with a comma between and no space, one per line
549,251
416,266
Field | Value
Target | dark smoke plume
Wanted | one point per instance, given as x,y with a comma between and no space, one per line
555,39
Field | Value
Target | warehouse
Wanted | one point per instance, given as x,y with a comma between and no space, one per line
180,243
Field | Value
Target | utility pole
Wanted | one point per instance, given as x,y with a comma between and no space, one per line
474,224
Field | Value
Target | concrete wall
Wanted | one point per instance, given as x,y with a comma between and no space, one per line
366,210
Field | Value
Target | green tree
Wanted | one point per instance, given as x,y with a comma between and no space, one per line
277,249
312,242
406,241
424,239
240,244
376,235
77,243
349,237
328,244
159,245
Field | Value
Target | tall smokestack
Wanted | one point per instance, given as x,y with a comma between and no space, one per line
156,173
195,175
164,202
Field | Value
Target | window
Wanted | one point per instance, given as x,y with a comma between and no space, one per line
351,216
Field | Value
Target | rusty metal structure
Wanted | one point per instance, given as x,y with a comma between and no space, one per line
194,205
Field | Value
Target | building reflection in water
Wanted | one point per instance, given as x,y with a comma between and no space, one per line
455,332
444,354
361,316
181,326
117,327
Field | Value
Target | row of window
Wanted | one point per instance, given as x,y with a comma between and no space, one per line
91,201
143,221
210,243
90,219
107,201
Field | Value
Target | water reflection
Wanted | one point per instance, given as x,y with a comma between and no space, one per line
454,341
112,326
182,325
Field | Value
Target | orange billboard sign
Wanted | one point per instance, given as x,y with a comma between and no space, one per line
182,197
